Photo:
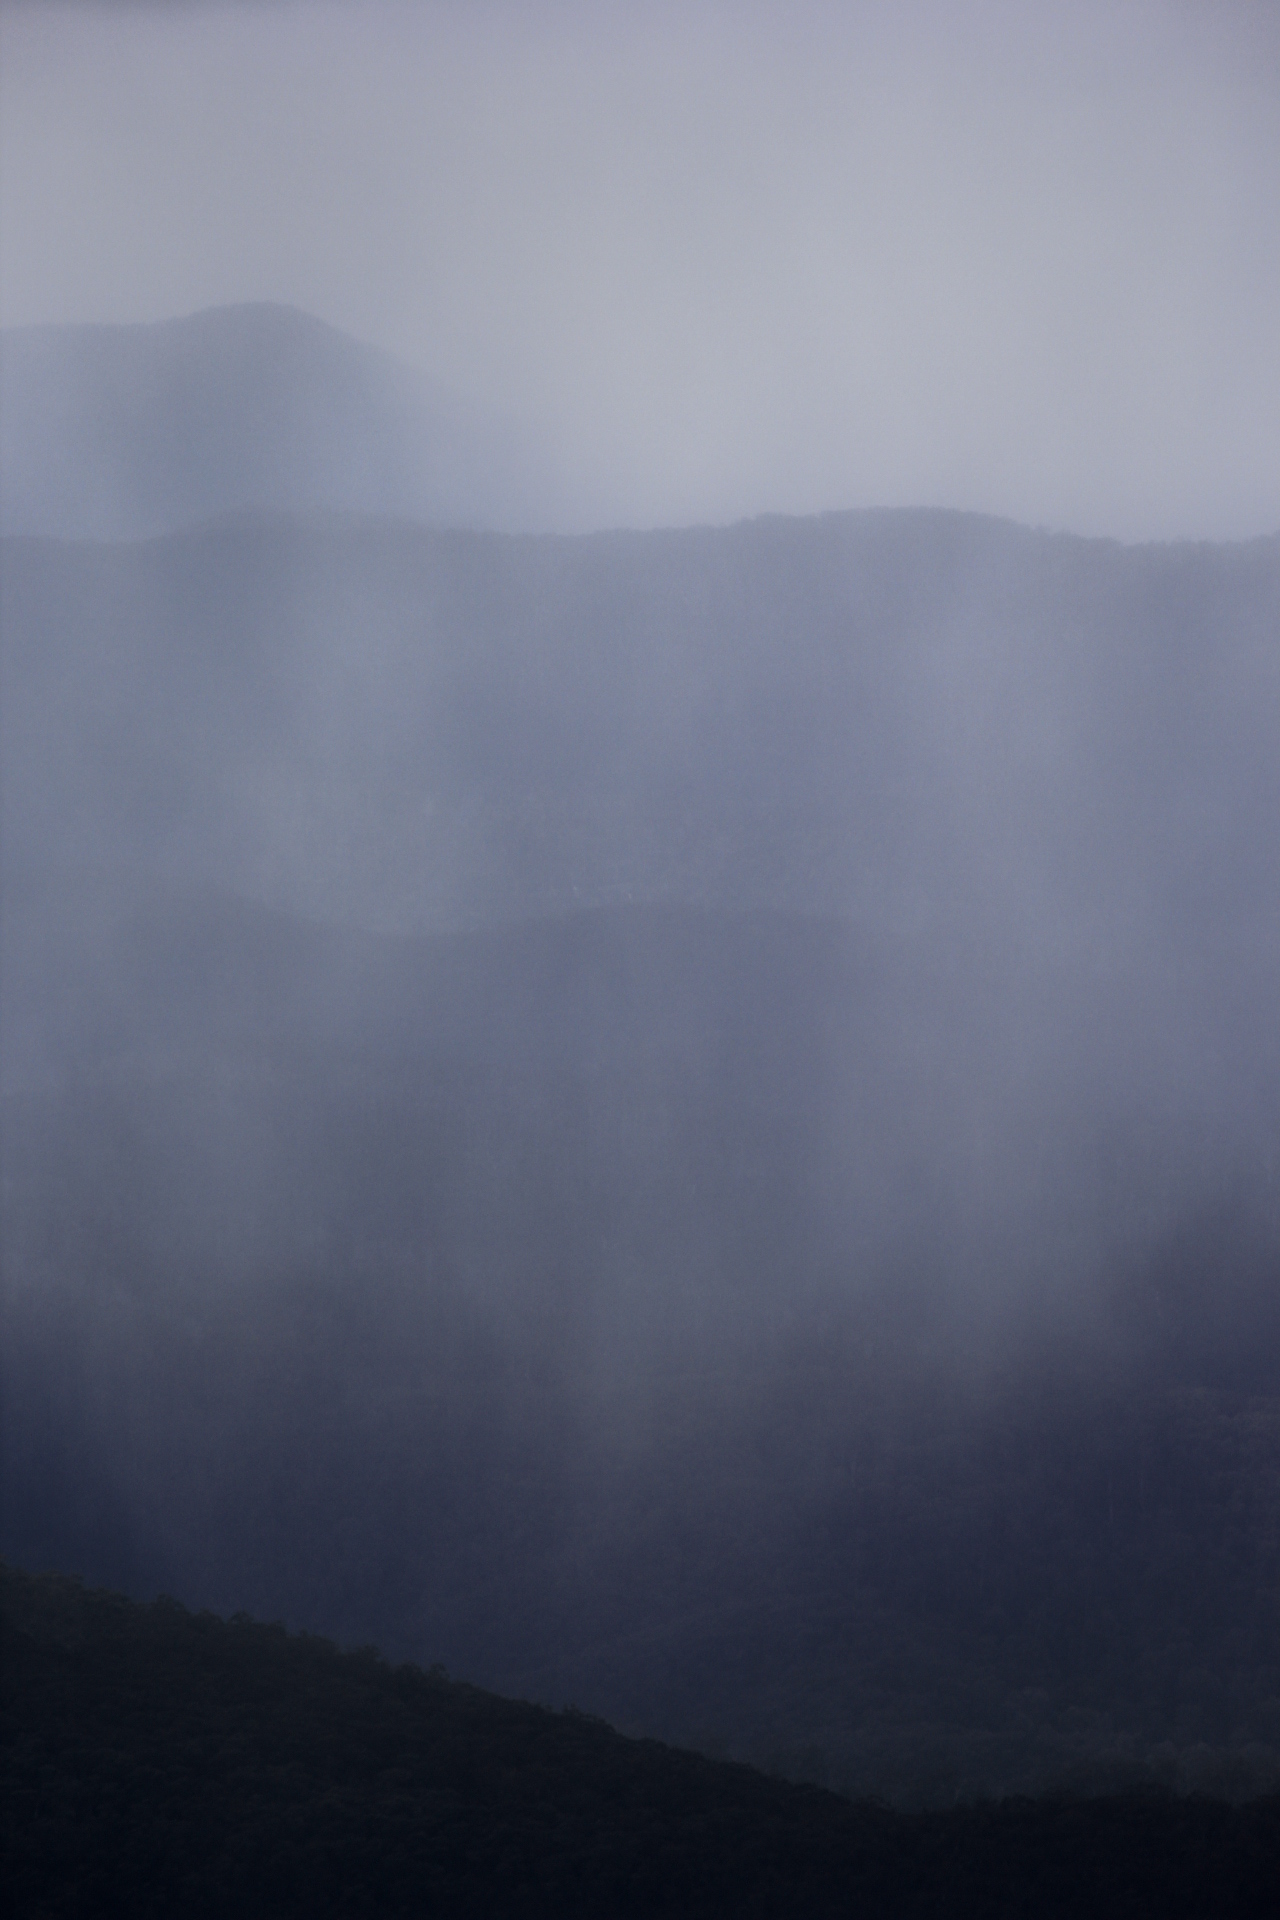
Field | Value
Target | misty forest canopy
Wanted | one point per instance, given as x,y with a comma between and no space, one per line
686,1120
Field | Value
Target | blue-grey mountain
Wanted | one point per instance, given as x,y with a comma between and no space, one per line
125,432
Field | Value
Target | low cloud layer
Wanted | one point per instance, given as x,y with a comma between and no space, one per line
728,260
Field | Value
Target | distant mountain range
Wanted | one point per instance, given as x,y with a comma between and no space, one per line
124,432
682,1120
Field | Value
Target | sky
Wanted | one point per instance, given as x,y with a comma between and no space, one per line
727,259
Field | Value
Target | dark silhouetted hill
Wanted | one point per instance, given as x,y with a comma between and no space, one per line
157,1761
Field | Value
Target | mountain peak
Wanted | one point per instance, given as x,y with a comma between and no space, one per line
127,431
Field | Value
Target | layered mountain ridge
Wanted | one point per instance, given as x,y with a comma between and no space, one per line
686,1120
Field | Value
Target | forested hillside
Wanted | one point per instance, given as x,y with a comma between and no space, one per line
156,1760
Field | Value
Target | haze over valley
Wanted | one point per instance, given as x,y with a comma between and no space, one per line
681,1117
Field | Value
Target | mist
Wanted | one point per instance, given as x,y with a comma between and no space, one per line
603,1107
720,262
640,861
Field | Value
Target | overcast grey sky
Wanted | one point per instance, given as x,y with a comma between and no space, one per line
1024,258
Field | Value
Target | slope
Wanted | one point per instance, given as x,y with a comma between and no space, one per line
157,1761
